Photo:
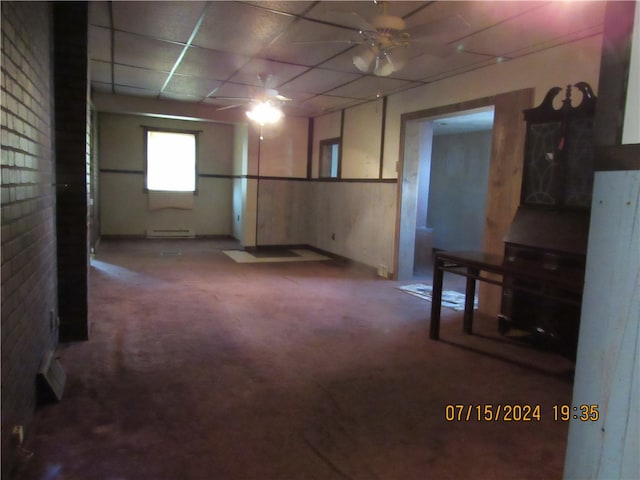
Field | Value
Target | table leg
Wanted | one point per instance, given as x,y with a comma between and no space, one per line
469,298
436,298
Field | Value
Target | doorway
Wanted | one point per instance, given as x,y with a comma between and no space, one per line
504,178
453,175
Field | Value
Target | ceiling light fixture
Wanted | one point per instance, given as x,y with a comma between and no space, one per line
365,57
381,63
385,42
265,113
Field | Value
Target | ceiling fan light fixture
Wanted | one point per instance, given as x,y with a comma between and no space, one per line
365,58
383,67
265,113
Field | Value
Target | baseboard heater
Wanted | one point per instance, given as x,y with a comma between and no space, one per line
171,233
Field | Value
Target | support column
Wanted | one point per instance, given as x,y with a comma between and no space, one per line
71,86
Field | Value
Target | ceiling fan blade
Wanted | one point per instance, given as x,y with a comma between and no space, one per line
315,42
267,80
228,107
282,98
352,20
246,99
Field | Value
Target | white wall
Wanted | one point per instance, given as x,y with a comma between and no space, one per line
123,200
283,149
361,141
608,365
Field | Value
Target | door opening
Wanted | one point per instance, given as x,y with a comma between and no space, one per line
452,186
445,174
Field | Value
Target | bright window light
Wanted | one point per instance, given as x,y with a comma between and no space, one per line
171,161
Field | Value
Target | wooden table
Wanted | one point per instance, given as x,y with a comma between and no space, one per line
475,265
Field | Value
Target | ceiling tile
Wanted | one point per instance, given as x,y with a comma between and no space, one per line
319,81
358,14
294,7
206,63
323,103
139,77
233,91
194,86
162,20
239,28
368,87
136,92
553,20
309,43
272,73
180,97
572,36
145,52
457,19
427,66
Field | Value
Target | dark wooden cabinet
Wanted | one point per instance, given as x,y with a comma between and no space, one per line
550,228
552,320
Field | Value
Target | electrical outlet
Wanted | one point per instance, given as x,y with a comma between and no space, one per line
17,434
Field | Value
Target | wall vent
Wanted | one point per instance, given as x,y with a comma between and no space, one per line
171,233
51,379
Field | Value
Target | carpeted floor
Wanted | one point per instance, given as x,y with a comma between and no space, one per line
201,368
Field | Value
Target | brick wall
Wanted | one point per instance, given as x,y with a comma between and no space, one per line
29,284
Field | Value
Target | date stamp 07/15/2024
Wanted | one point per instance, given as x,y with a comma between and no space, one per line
455,412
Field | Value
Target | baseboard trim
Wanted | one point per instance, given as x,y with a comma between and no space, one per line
144,237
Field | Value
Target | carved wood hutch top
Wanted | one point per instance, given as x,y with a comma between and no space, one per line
559,154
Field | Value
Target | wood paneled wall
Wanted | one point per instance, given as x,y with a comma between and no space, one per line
505,181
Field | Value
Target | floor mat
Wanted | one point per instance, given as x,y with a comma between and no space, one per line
450,298
294,255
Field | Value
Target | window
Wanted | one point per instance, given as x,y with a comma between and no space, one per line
330,158
171,160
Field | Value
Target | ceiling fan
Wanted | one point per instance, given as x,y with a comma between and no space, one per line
265,102
385,40
383,44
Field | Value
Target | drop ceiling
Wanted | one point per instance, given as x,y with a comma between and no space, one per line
193,51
